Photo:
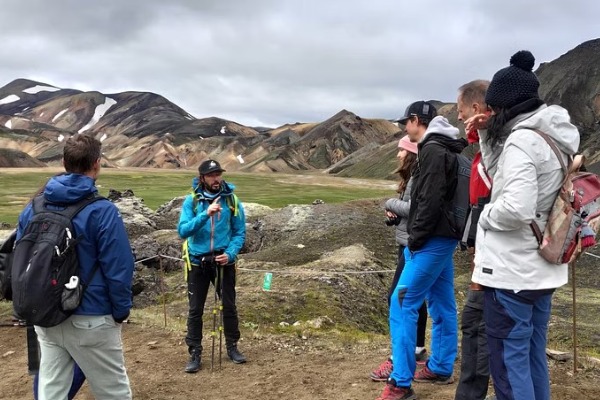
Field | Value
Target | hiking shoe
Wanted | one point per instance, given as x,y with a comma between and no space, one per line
427,375
235,355
421,357
393,392
382,373
194,364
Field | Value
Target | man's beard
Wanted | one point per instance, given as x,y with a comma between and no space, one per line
214,188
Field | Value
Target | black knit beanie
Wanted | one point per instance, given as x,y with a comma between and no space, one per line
514,84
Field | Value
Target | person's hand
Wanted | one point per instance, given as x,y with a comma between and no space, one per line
390,214
214,208
477,122
222,259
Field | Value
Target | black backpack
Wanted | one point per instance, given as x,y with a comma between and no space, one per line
457,215
46,280
6,255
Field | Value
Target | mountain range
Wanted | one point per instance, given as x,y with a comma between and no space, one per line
143,129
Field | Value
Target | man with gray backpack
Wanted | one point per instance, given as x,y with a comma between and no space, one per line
72,250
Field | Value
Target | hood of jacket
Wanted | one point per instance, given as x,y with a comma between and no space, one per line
440,130
69,188
441,126
553,121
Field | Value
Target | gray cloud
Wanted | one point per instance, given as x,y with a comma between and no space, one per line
273,62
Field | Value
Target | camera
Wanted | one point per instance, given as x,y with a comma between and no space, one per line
391,221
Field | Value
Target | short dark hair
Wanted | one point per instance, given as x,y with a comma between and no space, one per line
424,121
474,91
80,153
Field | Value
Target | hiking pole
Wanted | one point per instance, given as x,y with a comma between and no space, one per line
213,333
220,277
574,320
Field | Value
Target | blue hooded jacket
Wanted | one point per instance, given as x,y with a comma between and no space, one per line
228,230
104,240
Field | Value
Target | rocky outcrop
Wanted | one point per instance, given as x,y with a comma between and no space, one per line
167,215
137,217
149,248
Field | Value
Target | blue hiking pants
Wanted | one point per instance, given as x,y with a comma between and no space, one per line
516,325
428,274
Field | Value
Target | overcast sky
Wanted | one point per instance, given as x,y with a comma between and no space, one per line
270,62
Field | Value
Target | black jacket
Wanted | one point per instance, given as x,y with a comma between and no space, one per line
433,189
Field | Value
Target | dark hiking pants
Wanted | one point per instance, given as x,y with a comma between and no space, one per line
474,366
199,281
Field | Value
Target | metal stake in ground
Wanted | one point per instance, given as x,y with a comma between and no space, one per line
574,319
162,288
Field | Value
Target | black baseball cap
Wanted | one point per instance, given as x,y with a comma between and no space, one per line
209,166
422,109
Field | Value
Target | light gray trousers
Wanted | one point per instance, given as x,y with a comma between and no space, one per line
94,343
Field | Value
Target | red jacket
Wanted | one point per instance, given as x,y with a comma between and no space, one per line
480,184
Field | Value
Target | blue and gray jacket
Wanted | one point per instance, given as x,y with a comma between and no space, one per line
104,240
225,231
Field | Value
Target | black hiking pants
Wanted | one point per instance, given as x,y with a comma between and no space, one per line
199,279
474,365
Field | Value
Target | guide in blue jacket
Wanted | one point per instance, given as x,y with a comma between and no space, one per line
213,224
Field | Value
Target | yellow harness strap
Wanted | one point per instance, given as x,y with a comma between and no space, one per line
187,263
232,201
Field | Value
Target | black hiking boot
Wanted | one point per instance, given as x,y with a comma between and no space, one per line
234,354
194,364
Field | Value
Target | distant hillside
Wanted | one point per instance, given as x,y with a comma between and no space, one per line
10,158
573,81
143,129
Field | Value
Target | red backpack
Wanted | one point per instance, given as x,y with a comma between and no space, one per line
575,216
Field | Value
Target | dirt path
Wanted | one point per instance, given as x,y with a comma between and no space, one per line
279,367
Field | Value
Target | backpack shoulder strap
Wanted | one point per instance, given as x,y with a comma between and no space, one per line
556,151
91,276
70,210
73,209
434,142
232,202
575,162
574,165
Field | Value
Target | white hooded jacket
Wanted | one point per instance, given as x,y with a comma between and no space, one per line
526,183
